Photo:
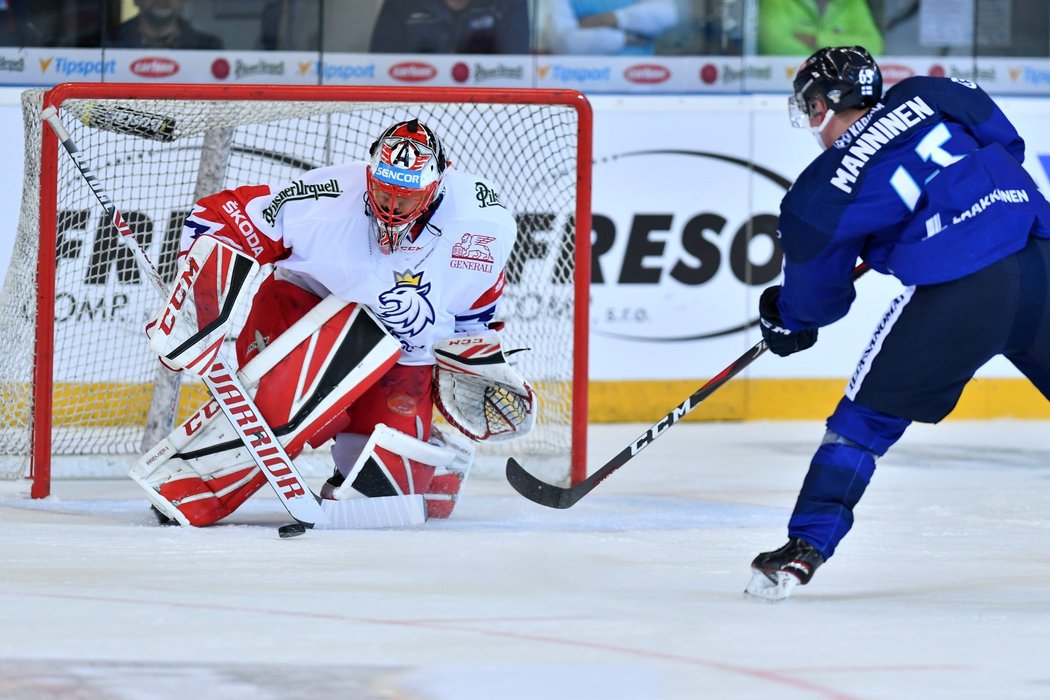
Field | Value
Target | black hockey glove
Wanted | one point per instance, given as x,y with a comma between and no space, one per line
780,340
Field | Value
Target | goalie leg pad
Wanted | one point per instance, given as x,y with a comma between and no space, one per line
206,500
369,513
309,390
328,366
447,485
390,464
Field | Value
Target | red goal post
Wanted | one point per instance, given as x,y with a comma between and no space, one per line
78,386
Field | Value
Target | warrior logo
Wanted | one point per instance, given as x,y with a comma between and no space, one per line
405,309
473,253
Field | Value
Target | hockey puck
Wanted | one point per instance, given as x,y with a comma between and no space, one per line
292,530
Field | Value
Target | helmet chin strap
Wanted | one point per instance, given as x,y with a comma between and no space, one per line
817,131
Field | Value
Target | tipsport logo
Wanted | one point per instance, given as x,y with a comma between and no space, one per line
83,69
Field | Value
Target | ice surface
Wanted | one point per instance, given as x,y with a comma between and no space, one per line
941,590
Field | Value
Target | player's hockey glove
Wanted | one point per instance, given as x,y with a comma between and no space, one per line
779,339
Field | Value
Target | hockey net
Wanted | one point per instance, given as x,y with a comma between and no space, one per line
80,393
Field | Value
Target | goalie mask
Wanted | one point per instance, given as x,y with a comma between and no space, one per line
403,176
843,77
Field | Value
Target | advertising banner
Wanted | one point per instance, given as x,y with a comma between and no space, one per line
594,75
686,195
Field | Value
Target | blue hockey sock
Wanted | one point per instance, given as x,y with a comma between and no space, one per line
837,477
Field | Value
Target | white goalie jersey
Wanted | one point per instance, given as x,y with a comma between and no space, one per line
317,234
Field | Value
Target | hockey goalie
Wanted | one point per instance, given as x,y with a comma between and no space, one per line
380,306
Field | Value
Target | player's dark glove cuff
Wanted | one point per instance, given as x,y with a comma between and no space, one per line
779,339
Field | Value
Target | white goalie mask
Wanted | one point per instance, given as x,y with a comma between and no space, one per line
404,179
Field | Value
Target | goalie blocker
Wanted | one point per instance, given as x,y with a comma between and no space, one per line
189,331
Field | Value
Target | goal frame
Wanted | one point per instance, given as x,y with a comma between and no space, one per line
40,462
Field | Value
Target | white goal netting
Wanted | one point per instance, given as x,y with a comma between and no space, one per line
155,156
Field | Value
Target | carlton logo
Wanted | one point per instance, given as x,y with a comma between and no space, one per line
412,71
154,67
894,73
647,73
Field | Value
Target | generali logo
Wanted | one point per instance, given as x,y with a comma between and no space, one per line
647,73
154,67
412,71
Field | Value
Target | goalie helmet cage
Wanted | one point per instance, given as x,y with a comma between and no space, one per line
74,302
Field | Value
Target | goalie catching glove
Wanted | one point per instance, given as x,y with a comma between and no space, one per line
189,331
478,392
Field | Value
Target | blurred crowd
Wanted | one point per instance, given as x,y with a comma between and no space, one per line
599,27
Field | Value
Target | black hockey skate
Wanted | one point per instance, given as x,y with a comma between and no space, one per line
334,481
161,517
775,574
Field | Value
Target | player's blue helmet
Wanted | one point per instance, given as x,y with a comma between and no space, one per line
844,77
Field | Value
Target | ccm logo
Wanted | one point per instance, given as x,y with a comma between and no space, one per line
647,73
154,67
412,71
466,341
178,296
199,419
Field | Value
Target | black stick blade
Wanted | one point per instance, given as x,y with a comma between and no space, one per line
538,491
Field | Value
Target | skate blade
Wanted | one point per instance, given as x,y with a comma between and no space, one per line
760,587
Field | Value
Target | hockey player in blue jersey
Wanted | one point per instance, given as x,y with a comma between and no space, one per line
925,184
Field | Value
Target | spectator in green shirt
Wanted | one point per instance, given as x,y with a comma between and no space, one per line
800,27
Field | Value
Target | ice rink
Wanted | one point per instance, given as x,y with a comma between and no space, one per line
942,590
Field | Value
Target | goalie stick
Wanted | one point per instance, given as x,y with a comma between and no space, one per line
553,496
222,381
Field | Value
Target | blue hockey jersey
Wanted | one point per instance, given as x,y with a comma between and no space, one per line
928,186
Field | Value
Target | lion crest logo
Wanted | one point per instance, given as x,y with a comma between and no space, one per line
405,309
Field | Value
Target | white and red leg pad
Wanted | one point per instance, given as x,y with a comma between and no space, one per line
203,501
303,382
373,513
447,484
395,480
201,472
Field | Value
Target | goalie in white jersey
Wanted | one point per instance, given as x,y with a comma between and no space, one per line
415,245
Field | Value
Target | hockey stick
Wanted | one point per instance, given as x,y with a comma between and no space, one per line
223,383
554,496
